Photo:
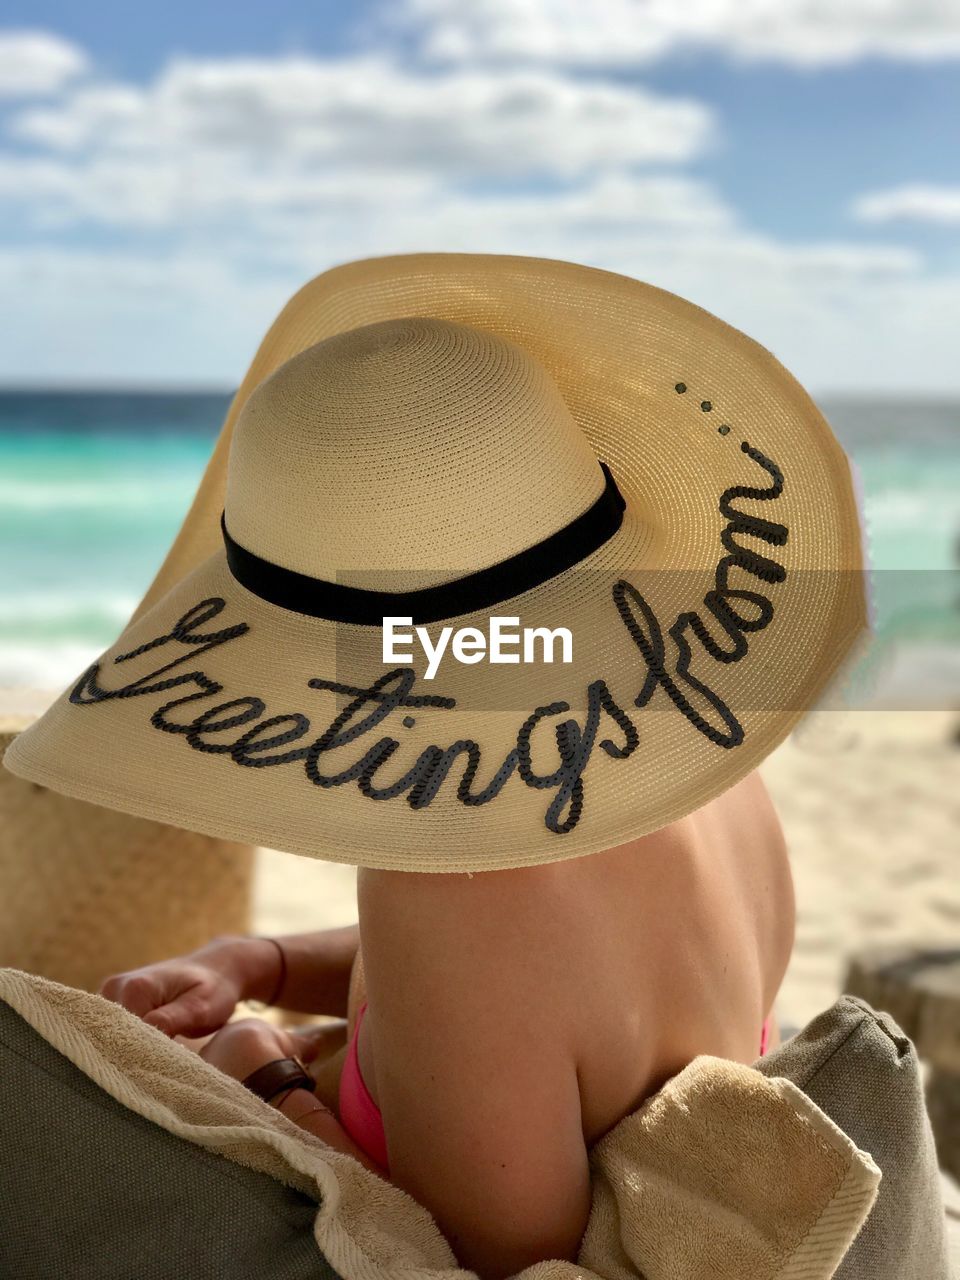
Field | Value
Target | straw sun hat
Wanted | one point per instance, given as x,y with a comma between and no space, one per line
627,483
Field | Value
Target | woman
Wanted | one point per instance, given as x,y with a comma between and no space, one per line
447,447
506,1032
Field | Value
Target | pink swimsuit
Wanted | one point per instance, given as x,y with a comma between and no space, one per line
360,1115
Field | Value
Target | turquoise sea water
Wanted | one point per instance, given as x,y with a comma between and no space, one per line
93,487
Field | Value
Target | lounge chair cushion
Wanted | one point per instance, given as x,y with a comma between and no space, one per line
143,1202
859,1067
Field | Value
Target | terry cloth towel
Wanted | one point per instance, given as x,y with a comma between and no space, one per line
724,1174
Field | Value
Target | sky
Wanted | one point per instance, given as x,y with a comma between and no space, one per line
170,175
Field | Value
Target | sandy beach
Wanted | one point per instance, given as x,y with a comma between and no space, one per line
870,801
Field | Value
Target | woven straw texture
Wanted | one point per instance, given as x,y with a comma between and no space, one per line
88,892
409,420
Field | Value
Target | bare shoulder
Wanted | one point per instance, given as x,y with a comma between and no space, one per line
499,929
765,863
479,1097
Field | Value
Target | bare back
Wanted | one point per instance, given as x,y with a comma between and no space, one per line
700,926
646,955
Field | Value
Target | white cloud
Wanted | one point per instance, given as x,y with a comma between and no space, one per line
664,229
836,315
232,142
89,317
188,192
804,33
35,62
367,111
286,208
228,145
224,184
909,203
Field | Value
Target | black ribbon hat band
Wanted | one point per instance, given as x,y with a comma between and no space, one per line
318,598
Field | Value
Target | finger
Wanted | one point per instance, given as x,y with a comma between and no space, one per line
164,1021
319,1040
136,992
145,989
189,1014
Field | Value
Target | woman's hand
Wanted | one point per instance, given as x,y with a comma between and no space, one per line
196,994
246,1045
240,1047
250,1043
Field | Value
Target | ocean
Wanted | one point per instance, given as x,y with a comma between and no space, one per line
94,485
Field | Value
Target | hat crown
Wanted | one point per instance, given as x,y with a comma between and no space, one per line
403,454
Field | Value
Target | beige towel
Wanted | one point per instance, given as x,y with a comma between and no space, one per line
724,1174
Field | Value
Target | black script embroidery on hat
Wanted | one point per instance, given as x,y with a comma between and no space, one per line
650,641
424,779
368,707
391,691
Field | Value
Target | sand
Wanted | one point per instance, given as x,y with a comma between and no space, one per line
870,801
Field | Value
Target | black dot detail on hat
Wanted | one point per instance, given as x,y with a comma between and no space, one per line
706,406
408,722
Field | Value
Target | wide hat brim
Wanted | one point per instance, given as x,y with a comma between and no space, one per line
507,765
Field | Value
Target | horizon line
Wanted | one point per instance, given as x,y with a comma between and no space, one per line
188,388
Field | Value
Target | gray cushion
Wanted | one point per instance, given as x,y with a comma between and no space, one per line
142,1202
859,1067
